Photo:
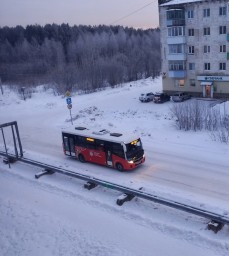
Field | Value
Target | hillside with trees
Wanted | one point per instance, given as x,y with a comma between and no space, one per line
77,57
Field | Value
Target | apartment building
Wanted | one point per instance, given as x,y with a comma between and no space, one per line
195,47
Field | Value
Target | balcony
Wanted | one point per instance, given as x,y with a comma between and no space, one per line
176,40
175,17
175,22
178,56
177,73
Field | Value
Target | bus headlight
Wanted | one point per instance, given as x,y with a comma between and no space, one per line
131,162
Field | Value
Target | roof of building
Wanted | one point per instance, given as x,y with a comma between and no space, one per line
174,2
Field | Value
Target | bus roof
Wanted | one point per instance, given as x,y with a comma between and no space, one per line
102,134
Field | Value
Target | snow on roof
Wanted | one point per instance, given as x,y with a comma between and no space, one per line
174,2
103,135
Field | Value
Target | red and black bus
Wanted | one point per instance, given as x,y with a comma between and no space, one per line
121,151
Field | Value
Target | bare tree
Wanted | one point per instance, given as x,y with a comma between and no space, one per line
195,115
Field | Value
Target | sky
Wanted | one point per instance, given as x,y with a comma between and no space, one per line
55,215
79,12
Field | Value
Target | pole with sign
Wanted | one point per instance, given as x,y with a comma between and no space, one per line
1,86
69,103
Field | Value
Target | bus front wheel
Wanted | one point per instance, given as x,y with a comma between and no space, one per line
81,158
119,167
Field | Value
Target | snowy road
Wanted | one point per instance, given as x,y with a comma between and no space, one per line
189,178
57,217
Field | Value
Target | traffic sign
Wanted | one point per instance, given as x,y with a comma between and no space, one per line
69,100
69,106
69,103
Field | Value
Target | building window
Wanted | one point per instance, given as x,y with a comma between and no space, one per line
191,50
207,66
175,17
206,12
181,82
191,66
207,48
207,31
190,14
222,30
222,48
176,31
222,66
176,48
222,11
191,32
175,65
175,14
192,82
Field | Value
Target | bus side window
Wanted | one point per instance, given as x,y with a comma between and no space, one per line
118,150
77,140
80,141
108,146
89,143
99,145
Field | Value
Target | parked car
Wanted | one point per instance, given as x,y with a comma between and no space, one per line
180,96
146,97
161,97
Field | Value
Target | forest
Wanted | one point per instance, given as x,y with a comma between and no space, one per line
77,57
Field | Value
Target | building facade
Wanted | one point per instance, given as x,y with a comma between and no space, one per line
195,47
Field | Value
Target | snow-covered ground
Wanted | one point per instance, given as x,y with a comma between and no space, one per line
56,216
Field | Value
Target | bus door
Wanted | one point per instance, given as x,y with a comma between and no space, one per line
109,157
69,145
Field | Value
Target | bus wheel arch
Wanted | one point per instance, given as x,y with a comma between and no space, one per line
119,167
81,158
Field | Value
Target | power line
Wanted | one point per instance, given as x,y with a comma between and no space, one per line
124,17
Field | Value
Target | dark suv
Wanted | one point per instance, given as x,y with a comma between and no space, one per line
161,97
180,96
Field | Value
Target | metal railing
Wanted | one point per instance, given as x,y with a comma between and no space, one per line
129,191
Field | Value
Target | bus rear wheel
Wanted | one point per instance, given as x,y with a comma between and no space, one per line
119,167
81,158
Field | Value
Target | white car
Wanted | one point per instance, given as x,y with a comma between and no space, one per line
146,97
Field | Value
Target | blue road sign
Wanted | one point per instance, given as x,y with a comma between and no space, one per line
69,100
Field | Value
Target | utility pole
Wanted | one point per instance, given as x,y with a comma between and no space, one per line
23,92
1,85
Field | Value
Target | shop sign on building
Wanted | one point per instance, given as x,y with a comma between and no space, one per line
213,78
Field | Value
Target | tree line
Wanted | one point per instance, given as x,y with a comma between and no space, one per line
77,57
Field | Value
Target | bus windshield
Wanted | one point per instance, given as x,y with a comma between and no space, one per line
133,147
